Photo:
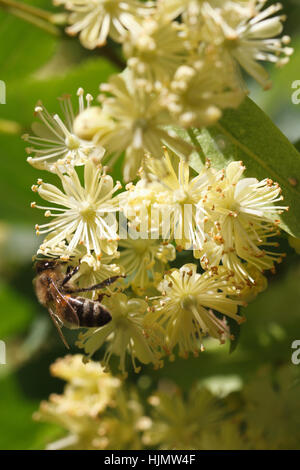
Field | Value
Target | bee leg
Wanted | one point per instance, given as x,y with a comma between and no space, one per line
68,269
58,327
102,284
100,297
70,274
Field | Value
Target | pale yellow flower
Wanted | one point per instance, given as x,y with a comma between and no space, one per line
121,428
95,20
272,408
247,290
133,120
88,393
81,214
185,308
180,422
247,34
200,91
144,261
242,217
171,9
171,199
156,48
226,436
89,389
123,334
55,143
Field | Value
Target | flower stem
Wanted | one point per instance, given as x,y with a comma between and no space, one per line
47,21
46,15
40,18
197,145
42,24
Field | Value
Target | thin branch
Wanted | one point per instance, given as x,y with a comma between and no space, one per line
31,10
38,22
41,18
46,20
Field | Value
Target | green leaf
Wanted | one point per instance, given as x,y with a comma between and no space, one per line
278,102
23,47
18,430
17,175
248,134
17,312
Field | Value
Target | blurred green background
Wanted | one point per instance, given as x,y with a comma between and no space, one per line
37,65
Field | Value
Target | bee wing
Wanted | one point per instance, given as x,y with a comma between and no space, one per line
53,318
70,314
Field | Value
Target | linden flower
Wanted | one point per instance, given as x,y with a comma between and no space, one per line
242,217
171,9
137,122
184,308
246,290
183,194
156,48
226,436
98,19
55,142
121,428
124,333
88,392
89,389
180,422
173,195
269,399
198,93
144,261
247,34
82,429
85,214
137,204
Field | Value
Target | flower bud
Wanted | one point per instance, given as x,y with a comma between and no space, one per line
88,123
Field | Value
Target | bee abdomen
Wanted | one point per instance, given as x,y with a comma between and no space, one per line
90,312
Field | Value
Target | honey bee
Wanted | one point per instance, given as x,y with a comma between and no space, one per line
56,294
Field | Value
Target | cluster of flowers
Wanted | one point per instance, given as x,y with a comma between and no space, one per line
184,63
100,415
179,73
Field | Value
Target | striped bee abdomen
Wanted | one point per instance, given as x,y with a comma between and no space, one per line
90,312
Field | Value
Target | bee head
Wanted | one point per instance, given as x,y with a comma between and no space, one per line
44,265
